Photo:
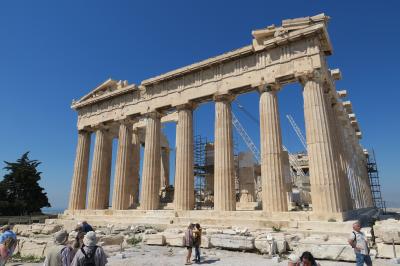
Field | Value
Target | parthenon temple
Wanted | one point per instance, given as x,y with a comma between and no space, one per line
295,52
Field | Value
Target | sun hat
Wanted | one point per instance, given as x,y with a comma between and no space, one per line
90,239
294,258
60,237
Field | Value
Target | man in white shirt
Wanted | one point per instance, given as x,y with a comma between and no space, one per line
359,242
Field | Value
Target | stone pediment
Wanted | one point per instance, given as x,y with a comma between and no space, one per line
108,88
264,37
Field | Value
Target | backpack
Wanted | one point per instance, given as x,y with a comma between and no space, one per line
88,260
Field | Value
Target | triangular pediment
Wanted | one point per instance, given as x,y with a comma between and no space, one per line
108,87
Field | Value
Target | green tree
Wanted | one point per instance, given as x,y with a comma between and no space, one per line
20,192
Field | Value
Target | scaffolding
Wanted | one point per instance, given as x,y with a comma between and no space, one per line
200,169
373,175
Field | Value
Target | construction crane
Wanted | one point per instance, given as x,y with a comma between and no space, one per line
297,130
247,140
256,154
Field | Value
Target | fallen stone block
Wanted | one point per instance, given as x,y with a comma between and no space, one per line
37,228
22,229
266,245
327,250
212,231
31,248
173,231
229,232
175,240
49,229
388,231
154,239
233,242
111,240
386,250
150,231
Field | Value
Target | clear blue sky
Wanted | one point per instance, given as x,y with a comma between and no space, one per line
54,51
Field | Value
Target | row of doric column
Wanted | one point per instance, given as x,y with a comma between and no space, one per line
338,173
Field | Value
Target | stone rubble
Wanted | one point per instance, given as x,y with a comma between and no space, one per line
36,239
387,238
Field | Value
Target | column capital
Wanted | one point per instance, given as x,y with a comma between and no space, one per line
269,87
126,121
84,131
153,114
186,106
101,126
228,97
317,75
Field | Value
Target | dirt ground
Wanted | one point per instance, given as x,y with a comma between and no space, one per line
171,256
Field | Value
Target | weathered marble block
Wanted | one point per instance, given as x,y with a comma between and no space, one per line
111,240
275,246
154,239
334,249
388,231
386,250
232,242
176,240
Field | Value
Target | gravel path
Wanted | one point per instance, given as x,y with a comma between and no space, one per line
171,256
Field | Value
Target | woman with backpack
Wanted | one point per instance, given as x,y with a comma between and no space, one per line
90,254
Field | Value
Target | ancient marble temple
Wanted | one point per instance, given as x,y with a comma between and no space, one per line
133,114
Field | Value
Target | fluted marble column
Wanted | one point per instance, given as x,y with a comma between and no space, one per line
77,200
98,180
350,167
325,187
184,179
123,181
224,183
134,198
272,173
339,153
355,167
151,164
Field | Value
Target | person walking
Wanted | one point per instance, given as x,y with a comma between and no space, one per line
86,227
61,254
90,254
197,242
6,250
359,243
6,232
78,241
189,243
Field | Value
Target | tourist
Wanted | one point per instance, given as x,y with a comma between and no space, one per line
360,245
90,253
60,254
86,227
293,260
307,259
6,232
189,243
197,242
78,241
7,249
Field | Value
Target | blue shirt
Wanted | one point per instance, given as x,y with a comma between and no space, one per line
6,235
86,227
